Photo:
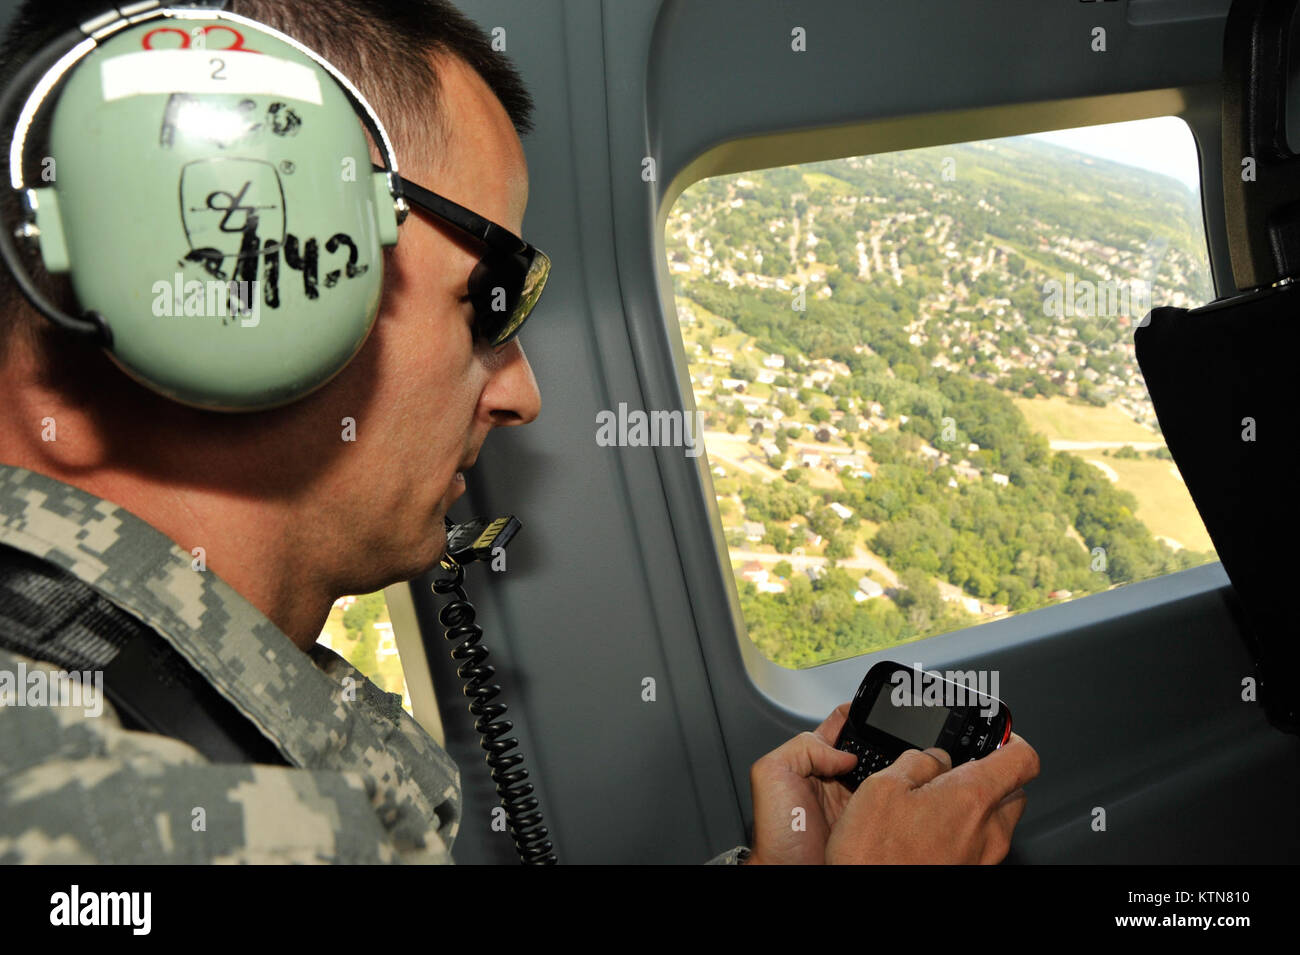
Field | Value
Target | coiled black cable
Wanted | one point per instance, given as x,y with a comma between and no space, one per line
522,813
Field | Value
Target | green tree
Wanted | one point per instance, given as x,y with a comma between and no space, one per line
779,538
920,598
364,611
363,658
840,546
743,370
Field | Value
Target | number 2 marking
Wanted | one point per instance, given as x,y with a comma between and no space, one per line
216,70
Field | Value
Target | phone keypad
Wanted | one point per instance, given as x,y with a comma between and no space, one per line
869,761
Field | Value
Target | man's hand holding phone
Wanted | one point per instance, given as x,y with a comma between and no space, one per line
918,810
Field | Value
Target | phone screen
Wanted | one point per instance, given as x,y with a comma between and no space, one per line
917,724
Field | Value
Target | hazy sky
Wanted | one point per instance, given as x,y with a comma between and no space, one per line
1162,145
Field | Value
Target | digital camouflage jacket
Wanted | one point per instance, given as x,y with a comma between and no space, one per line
365,784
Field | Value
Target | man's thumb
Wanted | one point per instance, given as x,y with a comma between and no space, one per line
822,759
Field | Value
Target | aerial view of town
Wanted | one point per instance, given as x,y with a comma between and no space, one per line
921,401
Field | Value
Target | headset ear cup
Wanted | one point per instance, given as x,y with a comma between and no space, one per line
49,225
237,266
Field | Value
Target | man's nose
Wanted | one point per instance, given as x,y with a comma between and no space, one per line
512,395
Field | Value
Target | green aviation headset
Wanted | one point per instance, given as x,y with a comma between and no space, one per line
210,195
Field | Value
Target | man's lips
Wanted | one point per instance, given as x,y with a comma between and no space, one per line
464,466
457,487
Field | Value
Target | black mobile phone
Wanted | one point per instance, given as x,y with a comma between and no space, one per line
898,708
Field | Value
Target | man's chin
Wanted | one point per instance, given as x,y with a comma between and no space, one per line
428,554
420,558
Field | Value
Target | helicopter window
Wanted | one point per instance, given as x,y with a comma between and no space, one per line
922,409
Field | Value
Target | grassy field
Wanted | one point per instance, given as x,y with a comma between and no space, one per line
1163,502
820,180
708,323
1063,419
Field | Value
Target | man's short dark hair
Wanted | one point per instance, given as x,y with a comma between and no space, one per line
382,46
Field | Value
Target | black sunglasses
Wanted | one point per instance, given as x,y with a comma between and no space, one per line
506,282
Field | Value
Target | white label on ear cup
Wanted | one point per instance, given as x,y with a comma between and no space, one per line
207,71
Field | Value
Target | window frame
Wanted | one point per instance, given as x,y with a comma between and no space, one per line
415,663
713,590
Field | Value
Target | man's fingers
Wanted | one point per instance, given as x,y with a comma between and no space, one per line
1003,771
918,767
823,758
810,755
814,753
1016,762
829,731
